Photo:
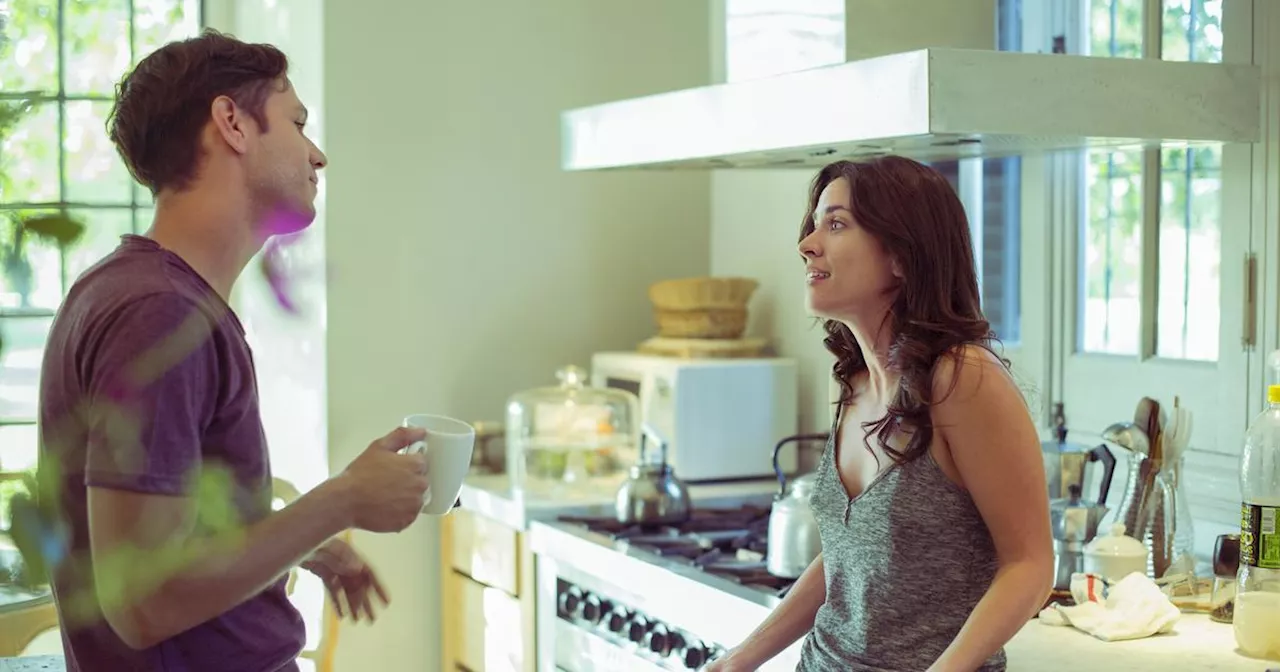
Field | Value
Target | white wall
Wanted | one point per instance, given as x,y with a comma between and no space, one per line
755,230
464,265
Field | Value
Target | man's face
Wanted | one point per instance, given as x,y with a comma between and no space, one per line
285,164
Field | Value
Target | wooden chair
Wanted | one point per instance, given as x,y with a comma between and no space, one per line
322,657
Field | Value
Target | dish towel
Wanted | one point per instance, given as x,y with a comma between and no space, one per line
1133,608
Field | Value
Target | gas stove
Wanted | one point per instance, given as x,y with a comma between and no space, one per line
728,543
614,596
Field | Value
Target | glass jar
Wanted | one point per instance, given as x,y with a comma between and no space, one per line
1226,564
571,439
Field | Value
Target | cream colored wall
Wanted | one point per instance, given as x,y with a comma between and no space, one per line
463,264
755,226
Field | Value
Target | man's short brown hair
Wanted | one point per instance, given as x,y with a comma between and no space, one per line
162,105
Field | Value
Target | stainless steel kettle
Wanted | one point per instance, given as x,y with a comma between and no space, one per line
793,530
652,495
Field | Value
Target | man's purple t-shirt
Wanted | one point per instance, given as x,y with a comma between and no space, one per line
148,385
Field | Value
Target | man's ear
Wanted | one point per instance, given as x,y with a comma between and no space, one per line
231,123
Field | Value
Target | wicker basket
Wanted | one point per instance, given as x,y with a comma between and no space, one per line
702,307
701,293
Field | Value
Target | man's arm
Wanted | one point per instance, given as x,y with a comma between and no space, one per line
164,558
155,579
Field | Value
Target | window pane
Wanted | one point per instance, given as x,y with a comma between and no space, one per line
24,339
997,243
142,218
1002,247
28,50
103,229
770,37
1190,253
95,45
95,172
17,454
1188,299
1115,28
158,22
1110,254
30,272
1192,31
29,158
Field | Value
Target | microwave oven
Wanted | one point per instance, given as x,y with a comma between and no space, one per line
721,418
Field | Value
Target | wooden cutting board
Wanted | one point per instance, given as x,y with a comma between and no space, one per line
704,348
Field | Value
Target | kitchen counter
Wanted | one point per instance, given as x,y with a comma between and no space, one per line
494,496
33,664
1196,643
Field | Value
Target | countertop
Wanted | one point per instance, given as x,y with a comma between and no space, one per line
494,496
1196,643
33,664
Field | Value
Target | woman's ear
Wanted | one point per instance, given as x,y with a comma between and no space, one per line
897,270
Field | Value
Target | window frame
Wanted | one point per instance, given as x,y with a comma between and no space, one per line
138,206
1098,389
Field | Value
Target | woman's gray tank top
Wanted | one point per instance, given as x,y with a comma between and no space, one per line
906,562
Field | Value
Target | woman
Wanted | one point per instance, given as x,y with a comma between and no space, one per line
930,495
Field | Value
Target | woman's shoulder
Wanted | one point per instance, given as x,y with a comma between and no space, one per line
965,370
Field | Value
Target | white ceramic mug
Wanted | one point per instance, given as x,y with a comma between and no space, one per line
447,445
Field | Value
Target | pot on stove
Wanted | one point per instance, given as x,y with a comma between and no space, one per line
793,530
652,495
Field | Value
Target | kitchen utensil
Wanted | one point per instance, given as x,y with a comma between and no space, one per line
652,494
1176,511
570,439
448,446
1065,463
793,540
1129,436
1114,556
1074,522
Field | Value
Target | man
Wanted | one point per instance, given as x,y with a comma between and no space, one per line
149,408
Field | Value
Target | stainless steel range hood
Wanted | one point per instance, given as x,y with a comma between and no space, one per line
929,104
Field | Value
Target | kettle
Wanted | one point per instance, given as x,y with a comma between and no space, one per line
652,495
793,540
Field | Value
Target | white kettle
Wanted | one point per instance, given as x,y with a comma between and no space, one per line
793,530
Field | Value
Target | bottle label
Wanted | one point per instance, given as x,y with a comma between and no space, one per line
1259,542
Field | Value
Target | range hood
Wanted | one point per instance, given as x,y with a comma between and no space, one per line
930,104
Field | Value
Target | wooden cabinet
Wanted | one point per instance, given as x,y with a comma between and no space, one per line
487,596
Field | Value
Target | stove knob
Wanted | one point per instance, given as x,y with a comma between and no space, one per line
570,600
637,629
594,609
616,620
659,641
695,656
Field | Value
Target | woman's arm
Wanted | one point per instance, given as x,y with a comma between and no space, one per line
993,443
789,621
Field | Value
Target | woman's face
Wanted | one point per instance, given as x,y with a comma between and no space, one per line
847,271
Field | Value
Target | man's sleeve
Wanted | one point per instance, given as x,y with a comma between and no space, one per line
152,386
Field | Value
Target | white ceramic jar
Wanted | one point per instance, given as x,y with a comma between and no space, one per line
1114,556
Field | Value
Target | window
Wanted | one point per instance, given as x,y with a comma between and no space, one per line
1150,245
1111,266
59,61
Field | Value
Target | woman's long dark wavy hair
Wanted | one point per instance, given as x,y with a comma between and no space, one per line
915,214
